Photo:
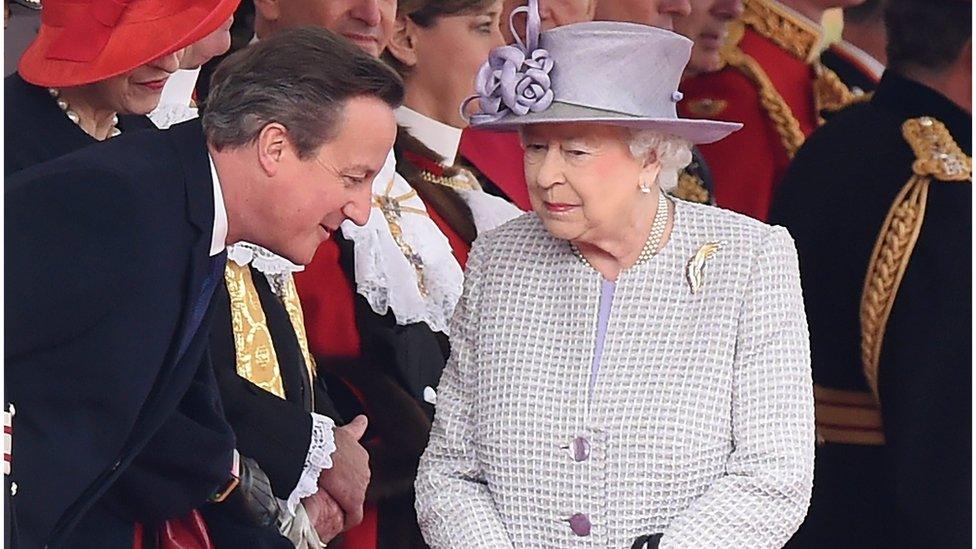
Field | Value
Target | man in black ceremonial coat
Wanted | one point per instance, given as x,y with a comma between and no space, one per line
879,201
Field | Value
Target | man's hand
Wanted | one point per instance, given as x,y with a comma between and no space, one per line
324,514
348,478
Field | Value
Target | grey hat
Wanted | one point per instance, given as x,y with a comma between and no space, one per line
604,72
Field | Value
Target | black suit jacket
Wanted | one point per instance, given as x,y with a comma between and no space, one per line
107,250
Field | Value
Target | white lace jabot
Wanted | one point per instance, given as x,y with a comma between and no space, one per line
384,274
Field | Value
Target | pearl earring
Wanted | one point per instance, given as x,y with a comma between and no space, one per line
645,188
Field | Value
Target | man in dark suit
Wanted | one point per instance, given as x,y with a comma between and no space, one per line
879,202
113,254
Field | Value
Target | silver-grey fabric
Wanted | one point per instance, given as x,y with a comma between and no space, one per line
701,423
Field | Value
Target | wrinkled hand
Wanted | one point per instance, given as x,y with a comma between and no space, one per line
348,478
325,515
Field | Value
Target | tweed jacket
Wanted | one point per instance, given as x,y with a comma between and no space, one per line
701,422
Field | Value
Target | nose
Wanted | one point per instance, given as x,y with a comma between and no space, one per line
677,8
367,11
170,62
357,210
551,169
727,10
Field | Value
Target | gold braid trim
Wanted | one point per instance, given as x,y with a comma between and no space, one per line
690,187
937,156
786,29
829,91
257,360
779,112
289,298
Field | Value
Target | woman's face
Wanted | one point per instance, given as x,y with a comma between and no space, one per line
448,56
134,92
583,181
208,47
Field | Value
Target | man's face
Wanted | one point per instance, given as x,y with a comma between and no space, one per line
367,23
309,198
655,13
554,13
708,27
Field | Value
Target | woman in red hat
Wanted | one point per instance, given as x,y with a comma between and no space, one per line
93,63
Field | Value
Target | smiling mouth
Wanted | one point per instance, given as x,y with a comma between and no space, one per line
155,85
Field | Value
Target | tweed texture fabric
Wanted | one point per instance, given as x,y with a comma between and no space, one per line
701,422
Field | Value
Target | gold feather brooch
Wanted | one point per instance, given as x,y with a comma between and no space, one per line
696,265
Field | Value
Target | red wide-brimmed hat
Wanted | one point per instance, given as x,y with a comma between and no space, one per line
84,41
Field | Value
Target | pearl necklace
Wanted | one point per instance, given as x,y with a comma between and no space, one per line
73,116
653,243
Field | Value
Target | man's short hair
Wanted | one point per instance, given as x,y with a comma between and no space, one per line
926,33
300,78
425,14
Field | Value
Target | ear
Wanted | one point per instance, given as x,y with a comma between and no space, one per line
273,148
403,43
268,10
649,169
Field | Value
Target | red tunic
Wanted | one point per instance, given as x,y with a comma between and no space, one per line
747,165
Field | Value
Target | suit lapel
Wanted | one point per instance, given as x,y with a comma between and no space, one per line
191,149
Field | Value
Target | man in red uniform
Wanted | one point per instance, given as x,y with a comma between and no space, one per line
774,83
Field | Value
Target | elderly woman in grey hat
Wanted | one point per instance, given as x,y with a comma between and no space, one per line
627,369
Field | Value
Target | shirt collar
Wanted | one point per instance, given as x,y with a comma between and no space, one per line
862,57
436,136
218,241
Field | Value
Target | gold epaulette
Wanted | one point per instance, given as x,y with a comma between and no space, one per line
937,156
799,37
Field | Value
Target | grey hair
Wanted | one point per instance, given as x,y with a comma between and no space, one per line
300,78
673,154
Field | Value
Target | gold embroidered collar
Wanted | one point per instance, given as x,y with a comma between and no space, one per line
787,29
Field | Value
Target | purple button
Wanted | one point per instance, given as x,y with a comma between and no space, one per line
580,524
581,449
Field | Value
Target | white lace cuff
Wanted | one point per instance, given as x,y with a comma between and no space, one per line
319,457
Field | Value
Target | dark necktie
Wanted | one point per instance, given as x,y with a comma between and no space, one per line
217,265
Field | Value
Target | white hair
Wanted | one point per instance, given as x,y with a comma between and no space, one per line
673,154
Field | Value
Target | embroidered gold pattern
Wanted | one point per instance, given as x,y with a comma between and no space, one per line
787,126
829,92
257,361
795,35
937,157
464,180
393,208
691,188
707,108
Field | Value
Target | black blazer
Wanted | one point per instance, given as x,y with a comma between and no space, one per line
107,250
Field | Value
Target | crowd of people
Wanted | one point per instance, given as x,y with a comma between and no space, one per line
488,273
